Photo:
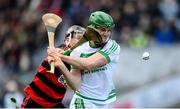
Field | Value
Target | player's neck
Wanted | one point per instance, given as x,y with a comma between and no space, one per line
93,45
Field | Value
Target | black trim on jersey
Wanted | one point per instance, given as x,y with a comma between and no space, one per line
67,65
43,95
50,84
57,73
33,104
60,105
46,65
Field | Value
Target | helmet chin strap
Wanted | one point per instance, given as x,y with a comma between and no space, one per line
70,37
104,43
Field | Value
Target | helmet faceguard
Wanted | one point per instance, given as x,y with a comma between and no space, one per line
73,32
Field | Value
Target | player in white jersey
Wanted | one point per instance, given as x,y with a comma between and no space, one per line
93,64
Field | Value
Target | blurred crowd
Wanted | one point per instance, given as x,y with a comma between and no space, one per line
138,22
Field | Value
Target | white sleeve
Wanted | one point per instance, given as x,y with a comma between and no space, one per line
111,51
76,52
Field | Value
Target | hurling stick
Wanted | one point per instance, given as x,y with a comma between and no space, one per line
90,34
51,22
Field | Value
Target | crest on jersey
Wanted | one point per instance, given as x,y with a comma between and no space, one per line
62,80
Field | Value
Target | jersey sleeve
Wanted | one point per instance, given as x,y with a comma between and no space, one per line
111,51
76,53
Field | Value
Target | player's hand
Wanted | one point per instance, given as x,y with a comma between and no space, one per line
58,62
60,51
53,51
50,59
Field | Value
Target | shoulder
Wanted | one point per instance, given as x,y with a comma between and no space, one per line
111,43
79,49
82,46
112,46
111,50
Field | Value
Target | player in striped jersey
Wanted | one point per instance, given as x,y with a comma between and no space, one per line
93,64
46,89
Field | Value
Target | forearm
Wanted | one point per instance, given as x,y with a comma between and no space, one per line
80,63
92,62
72,80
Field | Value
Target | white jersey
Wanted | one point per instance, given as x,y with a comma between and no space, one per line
97,84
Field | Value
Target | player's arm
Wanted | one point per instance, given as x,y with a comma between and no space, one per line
94,61
73,77
107,54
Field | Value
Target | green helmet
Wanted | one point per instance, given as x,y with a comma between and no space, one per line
100,18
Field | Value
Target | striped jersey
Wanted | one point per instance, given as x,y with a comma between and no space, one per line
97,84
46,89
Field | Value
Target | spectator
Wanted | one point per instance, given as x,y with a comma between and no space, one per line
164,33
169,9
12,89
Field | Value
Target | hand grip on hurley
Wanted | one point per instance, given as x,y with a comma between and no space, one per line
51,22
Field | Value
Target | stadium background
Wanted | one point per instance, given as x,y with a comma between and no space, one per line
141,25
